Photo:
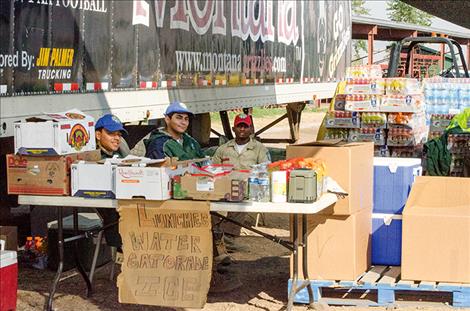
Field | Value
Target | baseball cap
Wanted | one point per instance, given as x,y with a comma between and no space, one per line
242,118
111,123
177,107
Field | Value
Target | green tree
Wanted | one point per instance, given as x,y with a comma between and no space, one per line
358,7
401,12
359,46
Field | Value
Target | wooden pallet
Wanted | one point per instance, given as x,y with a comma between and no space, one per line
386,281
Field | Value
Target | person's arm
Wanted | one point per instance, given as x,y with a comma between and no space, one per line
263,155
155,149
217,157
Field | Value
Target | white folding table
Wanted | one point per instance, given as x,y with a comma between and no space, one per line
296,209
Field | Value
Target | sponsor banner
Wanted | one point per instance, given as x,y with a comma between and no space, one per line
202,43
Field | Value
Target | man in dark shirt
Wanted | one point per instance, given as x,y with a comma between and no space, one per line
108,132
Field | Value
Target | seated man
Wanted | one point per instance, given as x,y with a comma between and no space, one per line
108,132
242,152
173,141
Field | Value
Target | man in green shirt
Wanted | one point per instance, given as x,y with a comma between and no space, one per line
173,141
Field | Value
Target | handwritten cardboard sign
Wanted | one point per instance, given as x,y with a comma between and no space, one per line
167,248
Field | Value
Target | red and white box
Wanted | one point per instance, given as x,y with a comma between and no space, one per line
8,280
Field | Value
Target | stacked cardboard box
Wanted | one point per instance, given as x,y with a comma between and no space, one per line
45,148
339,236
459,147
436,230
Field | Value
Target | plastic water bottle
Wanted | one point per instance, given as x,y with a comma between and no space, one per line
453,100
430,98
263,184
253,188
464,96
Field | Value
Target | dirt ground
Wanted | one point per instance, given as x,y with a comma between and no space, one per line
263,269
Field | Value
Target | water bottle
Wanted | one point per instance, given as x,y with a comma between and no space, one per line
453,100
253,189
464,96
263,184
430,98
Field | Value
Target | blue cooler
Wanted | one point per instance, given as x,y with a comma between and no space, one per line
393,178
386,239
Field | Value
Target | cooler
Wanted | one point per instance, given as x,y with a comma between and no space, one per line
393,178
86,222
8,280
386,239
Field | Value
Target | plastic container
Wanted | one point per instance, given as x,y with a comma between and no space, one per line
393,178
279,186
386,239
8,280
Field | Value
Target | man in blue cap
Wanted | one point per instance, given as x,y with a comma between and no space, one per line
173,141
108,132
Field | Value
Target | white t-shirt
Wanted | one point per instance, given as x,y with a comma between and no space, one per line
240,148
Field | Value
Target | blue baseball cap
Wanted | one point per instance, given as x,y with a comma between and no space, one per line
177,107
111,123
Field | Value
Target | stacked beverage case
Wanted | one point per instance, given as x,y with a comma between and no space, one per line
387,111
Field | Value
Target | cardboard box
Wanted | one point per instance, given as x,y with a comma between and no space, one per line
350,165
93,180
43,175
230,187
9,234
55,134
339,247
436,230
151,183
167,253
146,178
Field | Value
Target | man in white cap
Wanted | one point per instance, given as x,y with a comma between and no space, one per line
173,141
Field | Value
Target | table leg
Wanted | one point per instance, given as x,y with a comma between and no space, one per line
60,242
293,289
76,254
305,260
303,244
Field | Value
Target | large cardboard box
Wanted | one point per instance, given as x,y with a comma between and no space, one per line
339,247
9,234
229,187
55,134
167,248
43,175
436,230
350,165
